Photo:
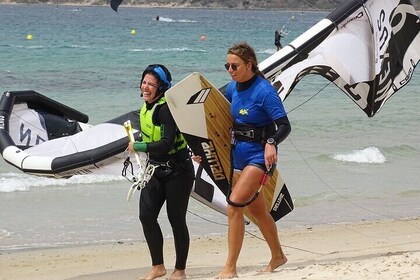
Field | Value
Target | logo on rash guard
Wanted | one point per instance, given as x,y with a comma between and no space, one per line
243,112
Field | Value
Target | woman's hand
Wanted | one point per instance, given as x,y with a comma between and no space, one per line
196,158
270,155
130,147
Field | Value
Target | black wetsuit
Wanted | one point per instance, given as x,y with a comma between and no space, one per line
174,188
277,41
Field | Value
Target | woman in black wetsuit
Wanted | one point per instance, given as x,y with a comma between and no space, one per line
172,180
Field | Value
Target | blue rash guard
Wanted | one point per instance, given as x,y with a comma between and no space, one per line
257,105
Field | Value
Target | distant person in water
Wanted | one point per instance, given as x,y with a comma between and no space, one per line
277,40
157,18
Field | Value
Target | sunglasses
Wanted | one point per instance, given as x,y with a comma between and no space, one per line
233,66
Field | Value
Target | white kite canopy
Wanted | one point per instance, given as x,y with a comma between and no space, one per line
369,49
43,137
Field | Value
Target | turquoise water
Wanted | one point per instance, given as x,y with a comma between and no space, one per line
339,165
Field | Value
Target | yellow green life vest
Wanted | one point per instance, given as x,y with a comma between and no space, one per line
153,133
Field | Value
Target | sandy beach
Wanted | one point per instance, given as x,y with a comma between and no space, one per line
366,250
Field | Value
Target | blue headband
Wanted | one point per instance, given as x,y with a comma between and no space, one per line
158,70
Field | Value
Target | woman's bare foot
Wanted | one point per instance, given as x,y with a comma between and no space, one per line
157,271
227,273
177,274
275,263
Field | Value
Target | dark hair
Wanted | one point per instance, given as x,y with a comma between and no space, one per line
245,52
161,73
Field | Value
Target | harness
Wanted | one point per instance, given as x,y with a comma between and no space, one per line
250,133
150,167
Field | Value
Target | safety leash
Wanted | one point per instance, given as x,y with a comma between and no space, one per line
266,175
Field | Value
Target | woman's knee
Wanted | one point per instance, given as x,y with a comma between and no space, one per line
146,219
234,211
177,219
258,208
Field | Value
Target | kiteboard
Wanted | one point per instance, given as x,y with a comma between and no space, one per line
202,114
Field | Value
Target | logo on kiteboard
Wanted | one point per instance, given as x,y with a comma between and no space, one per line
200,96
213,160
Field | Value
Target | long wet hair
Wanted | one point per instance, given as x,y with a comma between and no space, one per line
245,52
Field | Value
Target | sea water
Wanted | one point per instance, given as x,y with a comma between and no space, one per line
339,165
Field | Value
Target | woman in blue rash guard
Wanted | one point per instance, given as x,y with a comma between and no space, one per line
172,181
256,107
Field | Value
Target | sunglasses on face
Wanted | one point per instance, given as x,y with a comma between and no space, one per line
233,66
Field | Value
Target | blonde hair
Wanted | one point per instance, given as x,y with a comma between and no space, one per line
245,52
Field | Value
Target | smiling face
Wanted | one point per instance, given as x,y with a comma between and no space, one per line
149,88
243,70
